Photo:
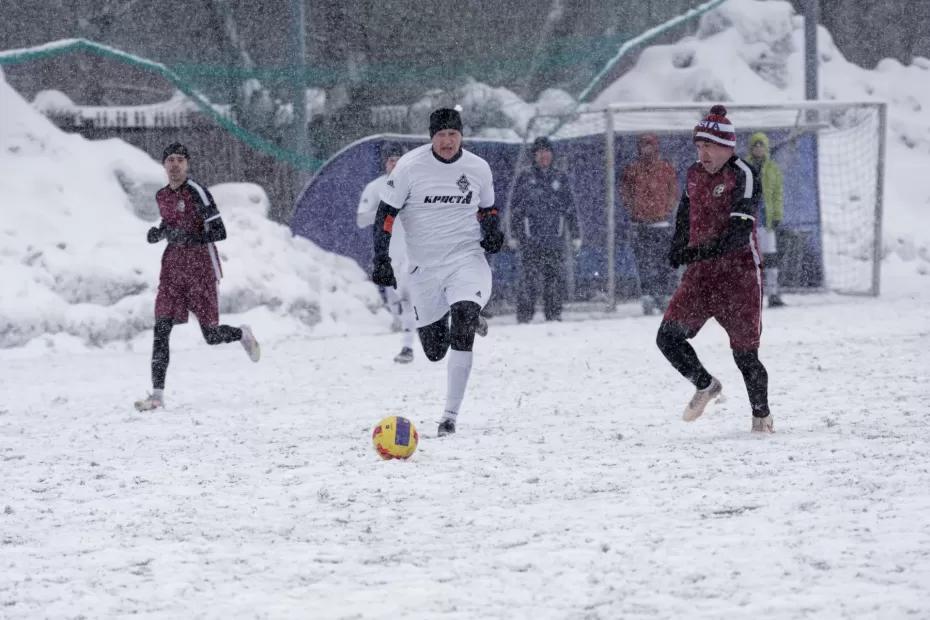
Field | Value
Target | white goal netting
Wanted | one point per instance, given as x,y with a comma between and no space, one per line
832,157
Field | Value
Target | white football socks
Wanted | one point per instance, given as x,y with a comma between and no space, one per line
458,368
771,280
409,323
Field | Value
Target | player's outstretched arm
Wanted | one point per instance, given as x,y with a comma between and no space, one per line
382,273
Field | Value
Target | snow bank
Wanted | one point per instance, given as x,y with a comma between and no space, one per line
73,256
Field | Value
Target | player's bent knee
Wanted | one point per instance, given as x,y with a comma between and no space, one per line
435,339
747,359
434,354
464,324
670,335
211,335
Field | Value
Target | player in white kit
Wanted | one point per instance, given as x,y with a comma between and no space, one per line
437,190
398,300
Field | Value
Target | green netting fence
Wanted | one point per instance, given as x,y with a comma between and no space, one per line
185,77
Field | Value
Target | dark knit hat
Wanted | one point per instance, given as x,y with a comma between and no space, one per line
391,149
444,118
716,127
542,143
175,149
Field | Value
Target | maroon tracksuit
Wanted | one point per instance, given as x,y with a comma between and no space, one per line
189,273
727,287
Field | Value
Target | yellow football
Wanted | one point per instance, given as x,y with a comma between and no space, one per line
395,437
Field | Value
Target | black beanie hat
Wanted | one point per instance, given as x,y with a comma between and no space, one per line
175,148
391,149
541,143
444,118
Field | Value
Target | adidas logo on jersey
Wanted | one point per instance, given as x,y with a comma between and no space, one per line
459,200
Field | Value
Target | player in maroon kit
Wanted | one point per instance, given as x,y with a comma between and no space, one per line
190,269
715,236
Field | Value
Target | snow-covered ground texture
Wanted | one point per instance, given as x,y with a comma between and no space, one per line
752,51
572,490
76,268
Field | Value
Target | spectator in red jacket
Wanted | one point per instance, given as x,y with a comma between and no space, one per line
649,191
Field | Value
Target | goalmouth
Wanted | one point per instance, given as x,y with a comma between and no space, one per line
832,154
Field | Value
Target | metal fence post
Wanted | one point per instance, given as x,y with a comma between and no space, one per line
611,212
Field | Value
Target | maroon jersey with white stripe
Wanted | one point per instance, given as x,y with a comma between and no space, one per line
190,208
714,198
727,287
189,273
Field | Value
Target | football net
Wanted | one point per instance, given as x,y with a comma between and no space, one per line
832,158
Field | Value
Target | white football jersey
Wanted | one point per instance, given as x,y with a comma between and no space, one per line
438,203
368,208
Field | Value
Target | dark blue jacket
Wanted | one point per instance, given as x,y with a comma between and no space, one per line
542,208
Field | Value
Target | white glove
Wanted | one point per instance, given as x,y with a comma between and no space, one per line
576,244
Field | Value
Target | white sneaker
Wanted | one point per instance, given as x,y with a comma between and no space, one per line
250,344
150,402
763,425
701,399
405,356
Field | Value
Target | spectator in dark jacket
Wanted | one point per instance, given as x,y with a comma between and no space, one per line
542,213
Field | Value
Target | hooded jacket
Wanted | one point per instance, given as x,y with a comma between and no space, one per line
773,182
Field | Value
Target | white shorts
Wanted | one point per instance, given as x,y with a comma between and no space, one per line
433,290
767,241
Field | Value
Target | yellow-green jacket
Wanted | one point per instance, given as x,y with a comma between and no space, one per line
773,182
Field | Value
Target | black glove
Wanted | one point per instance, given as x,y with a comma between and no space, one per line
155,234
176,236
493,241
681,256
382,273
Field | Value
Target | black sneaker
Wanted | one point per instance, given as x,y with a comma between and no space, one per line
446,427
776,302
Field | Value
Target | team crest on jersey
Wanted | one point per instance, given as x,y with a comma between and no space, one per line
462,183
718,191
181,206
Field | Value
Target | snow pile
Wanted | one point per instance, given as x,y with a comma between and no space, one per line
496,112
75,264
753,51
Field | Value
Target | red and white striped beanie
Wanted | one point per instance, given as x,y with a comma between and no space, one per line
716,127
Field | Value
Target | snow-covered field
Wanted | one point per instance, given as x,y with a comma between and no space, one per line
572,490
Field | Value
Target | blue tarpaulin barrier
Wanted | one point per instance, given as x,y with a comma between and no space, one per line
325,210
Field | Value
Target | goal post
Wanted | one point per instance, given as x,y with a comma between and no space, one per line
832,156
